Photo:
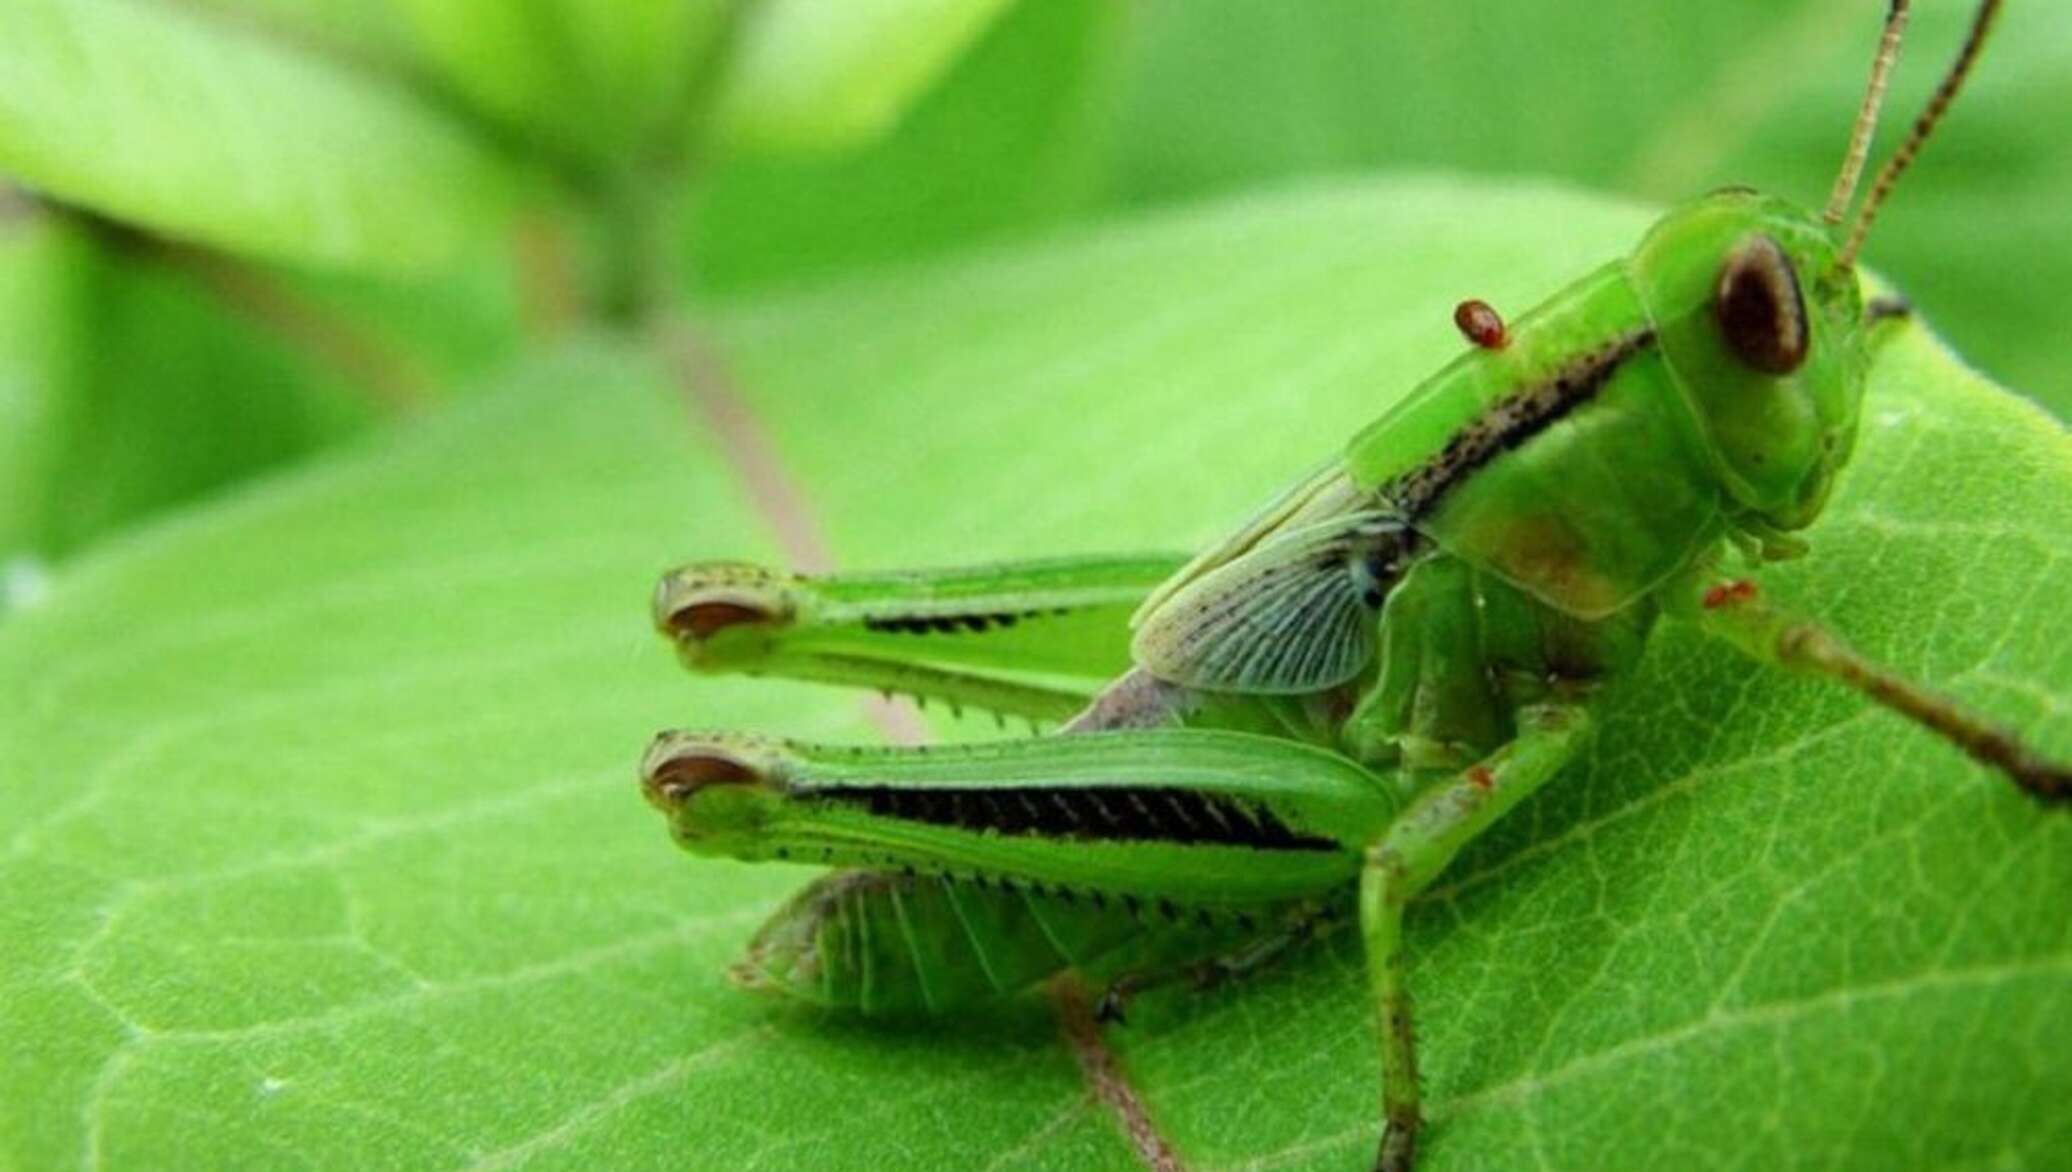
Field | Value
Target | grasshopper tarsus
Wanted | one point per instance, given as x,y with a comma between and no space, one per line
1886,308
2049,784
1398,1145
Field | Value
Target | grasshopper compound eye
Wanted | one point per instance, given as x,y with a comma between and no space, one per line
1760,312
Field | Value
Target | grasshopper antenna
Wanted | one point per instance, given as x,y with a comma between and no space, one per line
1867,117
1938,104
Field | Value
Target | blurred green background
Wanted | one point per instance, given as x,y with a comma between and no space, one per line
241,230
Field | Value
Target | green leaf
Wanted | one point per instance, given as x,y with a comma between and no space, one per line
807,76
1658,101
207,130
1009,140
135,377
130,386
324,847
595,80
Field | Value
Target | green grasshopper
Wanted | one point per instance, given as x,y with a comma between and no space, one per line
1305,723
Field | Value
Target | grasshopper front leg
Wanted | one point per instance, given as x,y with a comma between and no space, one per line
1032,639
1735,612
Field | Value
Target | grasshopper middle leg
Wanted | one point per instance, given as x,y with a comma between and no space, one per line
1413,851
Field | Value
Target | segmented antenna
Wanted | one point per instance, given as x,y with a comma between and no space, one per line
1981,24
1867,117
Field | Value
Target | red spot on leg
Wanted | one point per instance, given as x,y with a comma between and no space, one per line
1480,324
1728,593
1480,777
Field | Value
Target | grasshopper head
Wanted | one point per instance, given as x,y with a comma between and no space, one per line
1757,308
724,616
1764,332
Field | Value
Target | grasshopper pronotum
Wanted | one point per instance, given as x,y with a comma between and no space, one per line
1324,708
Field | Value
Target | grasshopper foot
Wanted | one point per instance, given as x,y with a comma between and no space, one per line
1881,308
1398,1146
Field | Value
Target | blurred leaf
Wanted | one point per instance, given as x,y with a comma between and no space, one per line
202,130
1010,140
365,29
1664,101
454,324
321,808
137,376
128,386
596,81
810,76
168,395
37,261
1230,94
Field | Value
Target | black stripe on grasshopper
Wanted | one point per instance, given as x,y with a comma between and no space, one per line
1110,814
950,624
1511,421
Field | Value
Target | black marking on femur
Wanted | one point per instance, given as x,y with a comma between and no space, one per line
1760,311
1512,420
950,624
1138,813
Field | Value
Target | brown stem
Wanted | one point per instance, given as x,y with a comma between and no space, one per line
1104,1076
386,375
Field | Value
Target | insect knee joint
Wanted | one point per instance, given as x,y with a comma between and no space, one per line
1390,872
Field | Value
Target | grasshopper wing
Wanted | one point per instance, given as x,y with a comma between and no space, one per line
1325,493
1295,613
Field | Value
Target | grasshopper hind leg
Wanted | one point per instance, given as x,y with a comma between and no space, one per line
1032,639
